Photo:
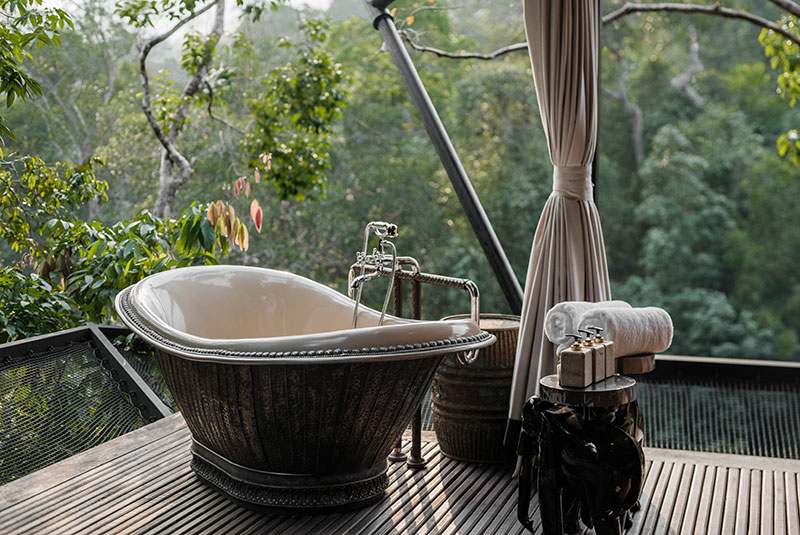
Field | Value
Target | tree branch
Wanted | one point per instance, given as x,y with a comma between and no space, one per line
628,9
175,169
166,35
788,5
215,117
144,50
621,96
715,9
199,76
681,82
465,55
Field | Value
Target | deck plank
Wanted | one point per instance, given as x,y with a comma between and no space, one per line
730,502
142,484
664,520
682,499
701,521
779,519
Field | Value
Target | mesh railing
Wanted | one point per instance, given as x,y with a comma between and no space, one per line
144,361
61,401
722,415
56,403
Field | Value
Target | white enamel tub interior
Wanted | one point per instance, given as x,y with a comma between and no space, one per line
248,309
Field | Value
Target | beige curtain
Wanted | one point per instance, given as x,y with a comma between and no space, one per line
568,259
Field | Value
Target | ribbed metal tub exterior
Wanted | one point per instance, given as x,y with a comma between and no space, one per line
297,438
470,402
298,431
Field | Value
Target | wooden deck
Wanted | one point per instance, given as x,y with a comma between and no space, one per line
141,483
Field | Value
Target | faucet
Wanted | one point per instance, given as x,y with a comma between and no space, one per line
381,255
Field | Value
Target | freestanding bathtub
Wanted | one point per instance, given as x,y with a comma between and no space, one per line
289,408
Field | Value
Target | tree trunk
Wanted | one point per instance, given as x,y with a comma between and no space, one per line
175,170
166,191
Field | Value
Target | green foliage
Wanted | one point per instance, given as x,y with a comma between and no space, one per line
784,57
34,193
764,249
197,51
142,13
706,322
30,305
293,117
106,259
81,81
788,145
26,25
81,265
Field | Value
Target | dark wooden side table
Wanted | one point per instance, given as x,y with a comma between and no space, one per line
581,450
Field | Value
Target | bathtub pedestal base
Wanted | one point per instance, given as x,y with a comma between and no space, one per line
288,493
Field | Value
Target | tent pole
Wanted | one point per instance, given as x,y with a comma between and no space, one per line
383,21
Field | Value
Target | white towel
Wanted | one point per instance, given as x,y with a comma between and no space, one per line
634,331
564,317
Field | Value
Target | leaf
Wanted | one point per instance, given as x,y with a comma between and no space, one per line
410,20
257,176
235,224
211,214
244,240
209,236
258,219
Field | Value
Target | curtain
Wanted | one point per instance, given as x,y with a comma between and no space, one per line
568,259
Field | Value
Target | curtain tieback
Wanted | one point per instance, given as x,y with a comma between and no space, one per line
573,181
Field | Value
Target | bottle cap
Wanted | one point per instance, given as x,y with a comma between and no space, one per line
576,343
598,338
588,340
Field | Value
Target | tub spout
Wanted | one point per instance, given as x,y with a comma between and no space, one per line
384,254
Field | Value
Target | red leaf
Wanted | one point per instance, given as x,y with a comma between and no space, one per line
253,208
257,175
247,189
258,219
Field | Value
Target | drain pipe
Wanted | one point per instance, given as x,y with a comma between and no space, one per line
383,21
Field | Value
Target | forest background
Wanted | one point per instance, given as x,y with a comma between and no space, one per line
697,175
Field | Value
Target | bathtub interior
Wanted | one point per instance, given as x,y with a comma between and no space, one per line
202,306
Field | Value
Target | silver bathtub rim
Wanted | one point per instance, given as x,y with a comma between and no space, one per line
321,356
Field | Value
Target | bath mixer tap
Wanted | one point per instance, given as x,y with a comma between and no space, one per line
384,254
384,262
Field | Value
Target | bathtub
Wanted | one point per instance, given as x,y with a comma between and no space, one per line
289,409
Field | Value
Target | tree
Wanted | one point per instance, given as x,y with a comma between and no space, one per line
168,119
290,117
27,25
79,79
781,41
71,269
688,214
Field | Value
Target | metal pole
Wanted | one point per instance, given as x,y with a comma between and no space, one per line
383,21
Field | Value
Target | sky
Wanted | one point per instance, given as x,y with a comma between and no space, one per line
316,4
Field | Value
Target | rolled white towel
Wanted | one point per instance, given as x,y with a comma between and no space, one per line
563,319
634,331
